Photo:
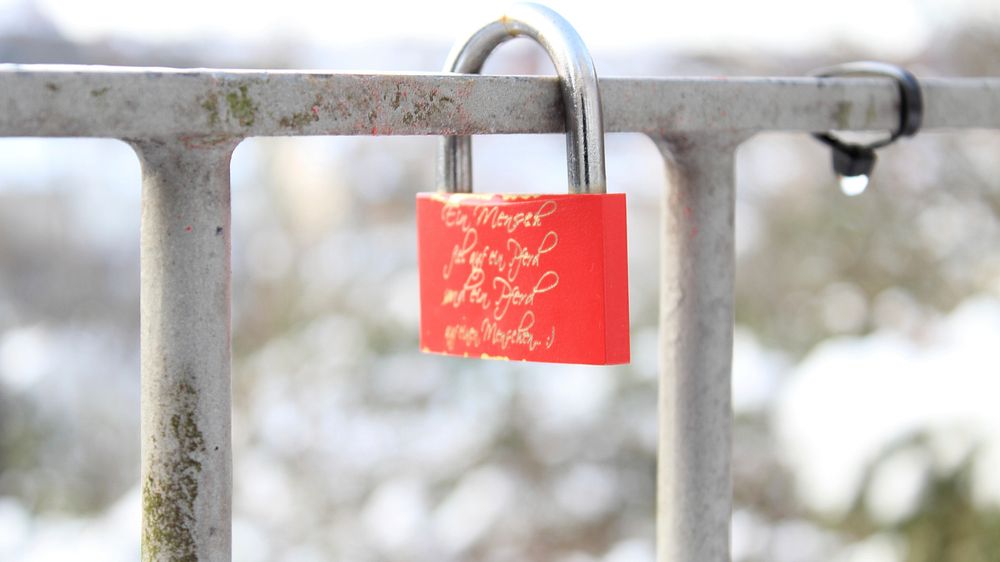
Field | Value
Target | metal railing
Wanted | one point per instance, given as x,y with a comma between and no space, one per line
184,125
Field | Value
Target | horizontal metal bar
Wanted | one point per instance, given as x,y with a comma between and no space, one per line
118,102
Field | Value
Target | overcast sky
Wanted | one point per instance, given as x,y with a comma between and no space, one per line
891,28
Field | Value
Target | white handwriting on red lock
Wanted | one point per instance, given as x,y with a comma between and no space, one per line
505,265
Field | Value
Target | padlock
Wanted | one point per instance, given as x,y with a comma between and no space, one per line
527,277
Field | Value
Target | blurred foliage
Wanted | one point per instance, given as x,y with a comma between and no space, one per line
945,524
921,235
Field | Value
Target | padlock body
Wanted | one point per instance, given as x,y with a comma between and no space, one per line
524,277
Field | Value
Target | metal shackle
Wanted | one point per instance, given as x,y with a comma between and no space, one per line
578,82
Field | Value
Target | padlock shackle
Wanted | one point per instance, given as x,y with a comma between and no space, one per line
578,81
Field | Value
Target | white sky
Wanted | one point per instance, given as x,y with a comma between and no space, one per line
894,28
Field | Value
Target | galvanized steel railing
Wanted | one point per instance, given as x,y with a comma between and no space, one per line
184,125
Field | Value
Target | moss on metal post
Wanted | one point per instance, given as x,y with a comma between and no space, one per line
185,338
241,106
168,506
211,106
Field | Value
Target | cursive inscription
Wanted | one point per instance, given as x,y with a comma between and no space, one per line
505,280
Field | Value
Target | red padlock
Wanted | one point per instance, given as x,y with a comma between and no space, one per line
527,277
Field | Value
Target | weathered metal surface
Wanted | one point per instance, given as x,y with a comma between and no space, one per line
67,101
697,263
186,472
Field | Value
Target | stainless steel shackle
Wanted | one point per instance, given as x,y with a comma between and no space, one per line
578,81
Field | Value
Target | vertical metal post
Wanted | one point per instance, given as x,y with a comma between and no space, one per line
694,476
186,469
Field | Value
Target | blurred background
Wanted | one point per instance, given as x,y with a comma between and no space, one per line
867,365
